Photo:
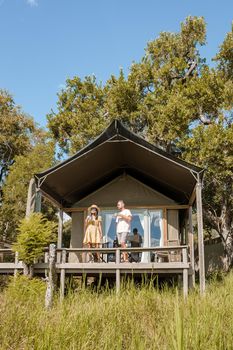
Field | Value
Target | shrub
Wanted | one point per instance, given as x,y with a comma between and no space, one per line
35,233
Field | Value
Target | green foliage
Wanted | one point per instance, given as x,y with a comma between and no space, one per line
35,233
16,132
225,56
137,318
24,150
156,90
16,185
211,147
79,116
25,290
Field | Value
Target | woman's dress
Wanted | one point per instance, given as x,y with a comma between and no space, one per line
92,233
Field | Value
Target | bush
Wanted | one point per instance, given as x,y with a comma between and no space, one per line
35,233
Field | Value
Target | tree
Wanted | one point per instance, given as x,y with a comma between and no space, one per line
16,132
15,188
153,93
79,116
212,146
35,233
172,98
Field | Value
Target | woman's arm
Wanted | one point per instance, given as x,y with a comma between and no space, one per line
100,228
85,224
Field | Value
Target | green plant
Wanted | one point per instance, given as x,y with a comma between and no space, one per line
137,318
35,233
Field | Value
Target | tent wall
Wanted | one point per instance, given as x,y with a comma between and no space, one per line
173,225
132,191
76,234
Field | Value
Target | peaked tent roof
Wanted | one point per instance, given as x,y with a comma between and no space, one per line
118,150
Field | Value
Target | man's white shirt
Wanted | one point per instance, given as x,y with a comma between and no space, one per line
122,224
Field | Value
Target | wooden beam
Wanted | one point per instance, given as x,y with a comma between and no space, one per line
118,273
16,263
200,237
60,231
185,273
31,197
193,196
186,228
38,201
191,245
121,266
62,276
175,206
51,199
165,233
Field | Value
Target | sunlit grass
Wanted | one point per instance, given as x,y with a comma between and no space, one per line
137,318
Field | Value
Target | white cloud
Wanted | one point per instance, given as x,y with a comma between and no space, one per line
32,3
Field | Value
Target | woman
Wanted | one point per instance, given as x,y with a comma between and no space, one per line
93,229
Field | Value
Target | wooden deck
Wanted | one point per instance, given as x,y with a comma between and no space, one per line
167,260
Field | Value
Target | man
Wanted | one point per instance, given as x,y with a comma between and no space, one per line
123,219
136,241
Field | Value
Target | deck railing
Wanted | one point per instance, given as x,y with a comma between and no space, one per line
169,259
155,255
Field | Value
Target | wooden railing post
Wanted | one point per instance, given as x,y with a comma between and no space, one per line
185,272
51,277
191,245
59,235
201,253
62,276
118,274
46,257
16,263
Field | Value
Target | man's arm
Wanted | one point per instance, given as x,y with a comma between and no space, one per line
125,217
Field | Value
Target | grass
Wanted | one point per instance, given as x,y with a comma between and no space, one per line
137,318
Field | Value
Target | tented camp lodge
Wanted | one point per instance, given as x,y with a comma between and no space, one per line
158,188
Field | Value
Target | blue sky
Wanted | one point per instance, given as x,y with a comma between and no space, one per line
43,42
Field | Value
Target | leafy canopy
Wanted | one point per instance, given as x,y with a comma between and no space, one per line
16,132
16,185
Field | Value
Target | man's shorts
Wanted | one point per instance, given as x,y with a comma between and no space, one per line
122,237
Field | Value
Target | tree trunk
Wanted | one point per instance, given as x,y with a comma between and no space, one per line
223,224
228,250
50,279
226,235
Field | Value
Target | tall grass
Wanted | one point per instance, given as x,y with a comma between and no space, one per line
137,318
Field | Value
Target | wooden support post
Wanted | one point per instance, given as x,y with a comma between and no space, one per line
38,201
16,263
62,276
46,257
118,273
31,198
200,236
165,233
146,255
186,228
59,236
191,246
51,277
185,273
